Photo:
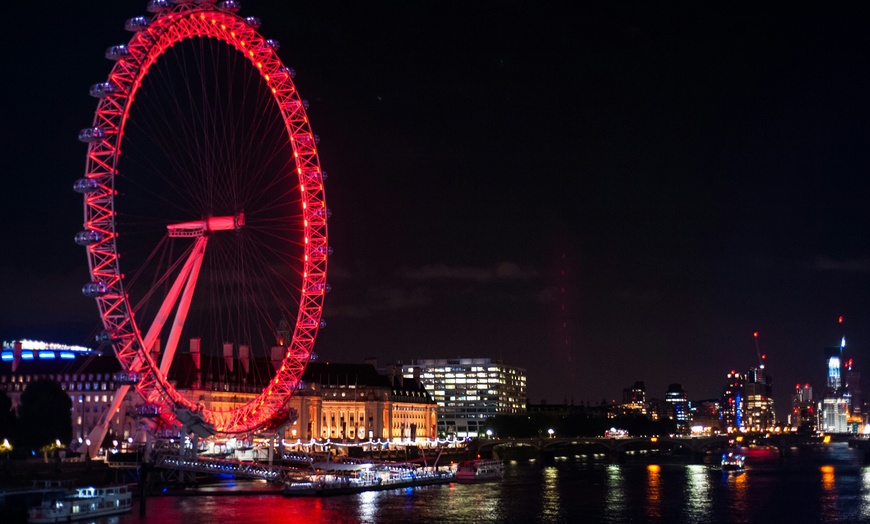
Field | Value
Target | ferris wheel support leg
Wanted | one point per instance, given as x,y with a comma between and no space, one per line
98,432
169,301
183,306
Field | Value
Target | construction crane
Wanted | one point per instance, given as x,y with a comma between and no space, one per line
758,352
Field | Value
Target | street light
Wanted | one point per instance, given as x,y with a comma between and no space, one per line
551,432
489,433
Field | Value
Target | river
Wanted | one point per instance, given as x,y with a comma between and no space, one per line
567,490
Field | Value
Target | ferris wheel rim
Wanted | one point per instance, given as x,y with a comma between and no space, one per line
152,37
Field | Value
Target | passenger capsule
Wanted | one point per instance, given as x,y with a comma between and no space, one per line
229,5
117,52
316,139
94,289
323,212
324,250
289,71
318,288
91,134
158,6
137,23
253,21
106,337
88,237
85,185
102,90
274,44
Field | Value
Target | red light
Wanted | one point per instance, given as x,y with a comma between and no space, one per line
763,357
798,386
755,334
841,319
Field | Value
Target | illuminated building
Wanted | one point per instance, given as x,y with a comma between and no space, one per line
85,375
803,409
758,414
347,402
834,405
634,399
705,416
470,390
676,397
731,407
340,402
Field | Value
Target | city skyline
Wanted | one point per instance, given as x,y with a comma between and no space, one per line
598,194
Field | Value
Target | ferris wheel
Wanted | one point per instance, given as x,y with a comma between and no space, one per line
209,225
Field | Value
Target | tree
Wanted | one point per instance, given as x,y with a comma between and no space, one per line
44,415
7,418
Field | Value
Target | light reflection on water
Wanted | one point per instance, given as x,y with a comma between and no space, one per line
654,492
551,500
614,501
829,497
698,496
562,492
865,494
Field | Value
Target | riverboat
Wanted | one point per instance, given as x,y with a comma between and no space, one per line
344,479
479,471
733,462
83,503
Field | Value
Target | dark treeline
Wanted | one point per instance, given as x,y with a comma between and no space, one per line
44,417
580,423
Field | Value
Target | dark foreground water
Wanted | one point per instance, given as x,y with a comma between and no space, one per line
567,491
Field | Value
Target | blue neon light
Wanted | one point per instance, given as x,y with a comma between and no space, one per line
7,357
27,355
46,355
66,355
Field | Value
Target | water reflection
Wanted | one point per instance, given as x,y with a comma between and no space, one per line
551,501
738,487
654,492
368,508
865,493
828,499
614,500
698,496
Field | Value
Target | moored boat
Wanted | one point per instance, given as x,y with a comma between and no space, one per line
83,503
343,479
479,470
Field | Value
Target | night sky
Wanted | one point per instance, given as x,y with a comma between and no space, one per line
600,193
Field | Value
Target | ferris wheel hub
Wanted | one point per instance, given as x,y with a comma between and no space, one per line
198,228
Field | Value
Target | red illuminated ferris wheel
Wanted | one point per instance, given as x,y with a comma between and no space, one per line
209,224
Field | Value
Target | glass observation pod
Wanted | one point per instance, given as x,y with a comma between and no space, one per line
320,288
157,6
324,212
90,134
85,185
229,5
253,21
102,90
117,52
324,250
106,337
94,289
316,176
310,322
136,24
88,237
274,44
289,71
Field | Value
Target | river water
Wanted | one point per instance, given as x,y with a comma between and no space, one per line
570,491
